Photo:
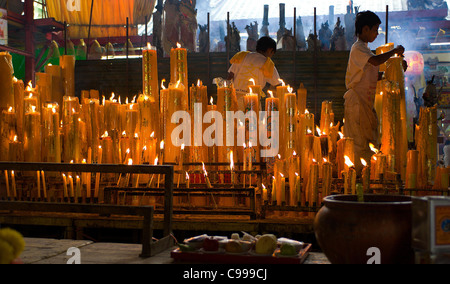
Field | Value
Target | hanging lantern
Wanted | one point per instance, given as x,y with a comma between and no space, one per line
415,63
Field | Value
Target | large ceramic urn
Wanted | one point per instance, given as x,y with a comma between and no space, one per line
375,231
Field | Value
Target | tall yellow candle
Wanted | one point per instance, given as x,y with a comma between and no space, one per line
327,176
8,193
226,102
411,169
150,73
345,147
6,77
32,136
251,104
198,95
67,63
8,129
281,91
175,103
57,86
51,140
65,186
19,105
302,95
272,123
164,93
14,188
44,86
394,129
365,176
290,123
327,116
179,71
112,115
313,182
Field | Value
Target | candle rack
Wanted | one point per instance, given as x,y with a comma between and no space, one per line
391,184
198,200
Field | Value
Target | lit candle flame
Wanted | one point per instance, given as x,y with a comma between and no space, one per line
271,94
199,83
253,81
178,45
112,97
152,135
211,101
15,138
231,161
156,161
282,82
290,89
325,160
318,131
373,149
182,147
348,162
363,162
162,84
130,162
341,135
30,88
161,145
204,170
105,134
187,176
306,111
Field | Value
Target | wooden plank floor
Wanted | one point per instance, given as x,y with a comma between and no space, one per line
53,251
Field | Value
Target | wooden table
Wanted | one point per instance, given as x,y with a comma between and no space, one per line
51,251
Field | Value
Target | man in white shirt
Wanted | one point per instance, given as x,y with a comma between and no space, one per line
361,121
254,65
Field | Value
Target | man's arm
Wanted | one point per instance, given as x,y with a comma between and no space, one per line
377,60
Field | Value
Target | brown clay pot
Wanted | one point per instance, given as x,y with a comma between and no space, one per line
345,229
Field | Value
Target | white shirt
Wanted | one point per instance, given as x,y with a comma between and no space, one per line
250,68
362,76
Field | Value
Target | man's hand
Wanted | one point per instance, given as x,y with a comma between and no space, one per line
405,65
399,50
